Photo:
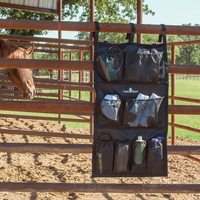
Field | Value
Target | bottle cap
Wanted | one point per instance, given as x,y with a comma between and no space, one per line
160,138
154,140
139,137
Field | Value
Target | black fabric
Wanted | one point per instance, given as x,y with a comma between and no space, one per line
96,33
104,155
142,68
130,36
155,160
122,156
115,119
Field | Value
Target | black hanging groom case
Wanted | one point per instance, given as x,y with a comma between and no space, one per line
120,70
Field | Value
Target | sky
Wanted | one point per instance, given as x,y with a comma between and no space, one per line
169,12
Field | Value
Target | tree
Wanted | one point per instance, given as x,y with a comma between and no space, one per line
189,54
105,11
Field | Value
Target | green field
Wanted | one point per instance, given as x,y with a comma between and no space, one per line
191,89
184,88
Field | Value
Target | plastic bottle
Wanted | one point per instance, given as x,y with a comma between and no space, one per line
160,138
154,140
139,149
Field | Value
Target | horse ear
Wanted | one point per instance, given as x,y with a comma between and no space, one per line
30,50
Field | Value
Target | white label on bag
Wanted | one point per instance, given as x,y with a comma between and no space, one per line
130,90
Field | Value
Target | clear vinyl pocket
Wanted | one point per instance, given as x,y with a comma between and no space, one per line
139,155
141,113
105,153
109,109
122,156
155,161
144,68
112,66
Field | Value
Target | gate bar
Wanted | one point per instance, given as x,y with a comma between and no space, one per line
80,65
99,187
78,106
41,39
80,148
90,27
45,134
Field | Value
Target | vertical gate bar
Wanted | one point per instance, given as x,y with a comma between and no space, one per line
80,72
92,2
173,61
70,76
139,18
60,54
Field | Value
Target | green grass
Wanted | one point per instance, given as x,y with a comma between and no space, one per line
190,89
184,88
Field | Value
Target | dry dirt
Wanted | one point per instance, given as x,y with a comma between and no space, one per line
74,168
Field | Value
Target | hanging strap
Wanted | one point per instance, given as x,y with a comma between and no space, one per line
163,36
96,33
130,36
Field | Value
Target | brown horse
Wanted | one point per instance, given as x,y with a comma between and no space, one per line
22,78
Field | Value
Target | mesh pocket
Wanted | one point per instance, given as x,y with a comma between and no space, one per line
105,152
122,155
143,113
139,157
143,68
110,108
155,161
112,66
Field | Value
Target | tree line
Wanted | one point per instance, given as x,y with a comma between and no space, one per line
105,11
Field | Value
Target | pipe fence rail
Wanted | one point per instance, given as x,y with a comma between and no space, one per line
81,108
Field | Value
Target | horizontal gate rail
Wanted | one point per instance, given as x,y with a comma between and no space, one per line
51,40
184,69
184,110
80,148
190,42
81,65
197,130
45,134
78,42
78,113
65,106
99,187
45,100
53,46
75,106
46,64
90,27
192,100
47,118
4,91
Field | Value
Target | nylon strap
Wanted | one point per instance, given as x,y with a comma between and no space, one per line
96,33
163,36
130,36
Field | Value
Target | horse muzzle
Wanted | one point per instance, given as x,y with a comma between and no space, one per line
29,94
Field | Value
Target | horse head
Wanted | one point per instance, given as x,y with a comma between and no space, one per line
21,77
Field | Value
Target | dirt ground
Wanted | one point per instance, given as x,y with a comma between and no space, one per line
76,168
